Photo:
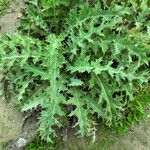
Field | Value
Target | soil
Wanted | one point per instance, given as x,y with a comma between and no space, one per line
9,22
10,123
138,138
11,120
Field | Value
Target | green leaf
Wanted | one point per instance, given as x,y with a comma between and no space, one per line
25,85
98,68
81,65
112,105
95,106
48,120
75,82
36,71
84,122
32,104
54,3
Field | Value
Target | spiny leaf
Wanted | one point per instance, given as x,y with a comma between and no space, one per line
36,71
54,3
75,82
95,106
84,122
48,120
32,104
81,65
23,88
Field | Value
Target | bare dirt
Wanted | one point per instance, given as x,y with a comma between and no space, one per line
138,138
11,120
10,123
9,22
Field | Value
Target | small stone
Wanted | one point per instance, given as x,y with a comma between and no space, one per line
21,142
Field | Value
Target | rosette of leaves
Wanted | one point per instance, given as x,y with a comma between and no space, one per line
96,65
103,55
33,71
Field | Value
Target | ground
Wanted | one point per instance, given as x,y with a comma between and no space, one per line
10,123
10,21
137,138
10,119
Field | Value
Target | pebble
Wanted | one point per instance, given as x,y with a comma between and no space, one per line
21,142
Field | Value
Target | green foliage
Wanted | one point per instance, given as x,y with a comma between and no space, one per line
136,111
103,142
45,16
39,144
92,58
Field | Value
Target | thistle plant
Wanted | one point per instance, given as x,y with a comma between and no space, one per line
91,57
